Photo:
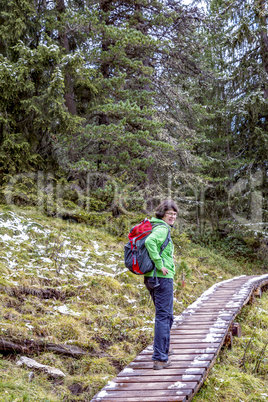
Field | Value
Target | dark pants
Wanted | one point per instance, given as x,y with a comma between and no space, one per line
163,300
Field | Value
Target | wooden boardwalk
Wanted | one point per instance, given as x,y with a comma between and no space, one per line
197,336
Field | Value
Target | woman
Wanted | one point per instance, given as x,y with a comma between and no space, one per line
162,291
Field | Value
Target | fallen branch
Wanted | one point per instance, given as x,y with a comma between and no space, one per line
41,293
30,347
10,347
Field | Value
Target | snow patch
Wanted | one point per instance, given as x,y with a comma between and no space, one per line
128,370
188,377
102,394
211,338
65,310
178,384
111,384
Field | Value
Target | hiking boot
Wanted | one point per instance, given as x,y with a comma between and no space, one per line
158,365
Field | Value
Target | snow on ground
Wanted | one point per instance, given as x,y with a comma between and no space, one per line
26,246
66,310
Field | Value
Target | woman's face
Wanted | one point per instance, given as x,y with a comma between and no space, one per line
170,217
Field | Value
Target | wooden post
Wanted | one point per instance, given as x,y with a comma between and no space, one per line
257,292
236,329
229,340
251,299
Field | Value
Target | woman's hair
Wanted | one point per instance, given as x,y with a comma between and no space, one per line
164,207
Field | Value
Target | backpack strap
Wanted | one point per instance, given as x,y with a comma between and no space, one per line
168,238
164,245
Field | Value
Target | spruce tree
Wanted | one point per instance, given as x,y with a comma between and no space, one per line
236,140
89,87
33,70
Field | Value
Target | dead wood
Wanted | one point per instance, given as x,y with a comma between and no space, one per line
30,347
7,347
41,293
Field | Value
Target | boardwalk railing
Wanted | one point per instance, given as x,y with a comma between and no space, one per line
197,336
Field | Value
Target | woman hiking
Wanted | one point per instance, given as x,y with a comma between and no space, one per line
161,287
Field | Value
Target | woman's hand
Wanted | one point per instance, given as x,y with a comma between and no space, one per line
164,270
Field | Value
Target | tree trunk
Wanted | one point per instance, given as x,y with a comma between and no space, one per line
64,41
263,41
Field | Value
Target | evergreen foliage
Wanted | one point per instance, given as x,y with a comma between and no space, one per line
129,102
235,145
93,74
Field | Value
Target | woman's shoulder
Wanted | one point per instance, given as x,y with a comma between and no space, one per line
160,229
159,224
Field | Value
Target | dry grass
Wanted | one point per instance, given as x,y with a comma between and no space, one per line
65,283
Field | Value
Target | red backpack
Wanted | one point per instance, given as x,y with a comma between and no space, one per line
137,258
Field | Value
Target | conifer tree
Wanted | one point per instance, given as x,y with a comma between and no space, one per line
33,72
136,48
85,86
236,144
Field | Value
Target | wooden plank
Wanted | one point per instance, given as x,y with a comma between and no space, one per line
175,385
187,350
221,324
198,334
213,307
185,345
169,371
143,394
208,314
193,335
218,296
195,321
192,330
161,378
192,357
175,398
211,337
213,323
174,364
175,357
206,319
199,327
216,301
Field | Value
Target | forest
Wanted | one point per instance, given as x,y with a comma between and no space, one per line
110,106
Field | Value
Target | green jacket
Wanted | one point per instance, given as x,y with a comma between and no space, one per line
153,244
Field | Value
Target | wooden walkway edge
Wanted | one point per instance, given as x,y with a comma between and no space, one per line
197,336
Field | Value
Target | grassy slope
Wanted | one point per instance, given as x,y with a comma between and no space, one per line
103,309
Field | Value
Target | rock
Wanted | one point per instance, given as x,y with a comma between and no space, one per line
31,363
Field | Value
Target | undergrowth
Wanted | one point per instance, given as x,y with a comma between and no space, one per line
64,283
